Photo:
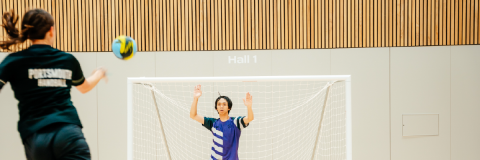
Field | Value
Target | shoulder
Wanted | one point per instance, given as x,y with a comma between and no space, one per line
238,121
11,58
65,55
236,118
208,122
15,54
239,117
210,119
62,53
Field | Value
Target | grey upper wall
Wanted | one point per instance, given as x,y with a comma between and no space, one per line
386,84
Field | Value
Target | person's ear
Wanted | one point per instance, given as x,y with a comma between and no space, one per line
51,32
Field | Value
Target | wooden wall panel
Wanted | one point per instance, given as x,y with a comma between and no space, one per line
181,25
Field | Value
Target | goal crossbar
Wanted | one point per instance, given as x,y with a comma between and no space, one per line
238,79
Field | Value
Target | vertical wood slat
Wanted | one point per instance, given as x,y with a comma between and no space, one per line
71,26
229,7
312,22
390,24
283,28
457,20
373,25
463,25
436,22
471,32
159,25
441,23
470,21
349,23
191,10
96,24
301,23
448,22
477,21
174,25
81,27
255,24
3,9
360,24
417,24
367,22
222,33
150,34
181,18
256,28
381,24
334,23
460,22
409,23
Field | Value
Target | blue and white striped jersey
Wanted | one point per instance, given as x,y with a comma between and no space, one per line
226,137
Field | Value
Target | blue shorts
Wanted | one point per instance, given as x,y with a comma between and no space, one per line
60,141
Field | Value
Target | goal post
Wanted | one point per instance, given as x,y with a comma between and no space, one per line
296,117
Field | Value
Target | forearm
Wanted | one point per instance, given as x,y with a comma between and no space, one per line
95,78
193,112
90,82
250,114
193,109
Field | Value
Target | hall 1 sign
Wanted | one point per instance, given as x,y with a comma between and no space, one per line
242,60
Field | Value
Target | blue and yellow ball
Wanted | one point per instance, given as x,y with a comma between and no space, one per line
124,47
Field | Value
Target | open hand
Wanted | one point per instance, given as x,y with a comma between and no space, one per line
248,100
198,91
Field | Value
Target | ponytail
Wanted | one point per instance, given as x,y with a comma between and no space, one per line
36,23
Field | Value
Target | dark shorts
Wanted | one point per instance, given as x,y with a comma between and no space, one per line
59,141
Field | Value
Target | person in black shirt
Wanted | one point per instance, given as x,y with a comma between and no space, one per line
41,78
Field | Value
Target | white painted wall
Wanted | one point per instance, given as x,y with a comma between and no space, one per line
420,83
386,83
369,68
465,102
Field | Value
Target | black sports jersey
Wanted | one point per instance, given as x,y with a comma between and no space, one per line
41,78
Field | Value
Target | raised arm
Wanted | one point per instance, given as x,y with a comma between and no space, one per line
92,81
248,102
193,111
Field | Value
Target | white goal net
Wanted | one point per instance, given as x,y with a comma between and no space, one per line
296,117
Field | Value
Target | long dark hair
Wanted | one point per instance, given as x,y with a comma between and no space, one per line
35,24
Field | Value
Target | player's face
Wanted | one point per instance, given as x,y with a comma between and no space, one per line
222,106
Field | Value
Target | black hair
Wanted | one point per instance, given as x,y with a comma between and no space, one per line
230,104
35,24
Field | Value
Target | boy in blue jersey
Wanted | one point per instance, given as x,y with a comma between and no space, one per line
226,130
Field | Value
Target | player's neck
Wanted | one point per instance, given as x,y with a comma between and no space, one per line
41,42
224,117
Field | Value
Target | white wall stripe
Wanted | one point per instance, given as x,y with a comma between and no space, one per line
218,140
220,133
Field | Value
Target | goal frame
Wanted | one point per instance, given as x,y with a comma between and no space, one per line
136,80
